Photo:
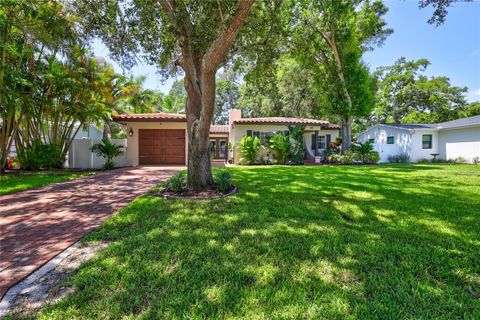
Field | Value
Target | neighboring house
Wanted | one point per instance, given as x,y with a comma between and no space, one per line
160,138
92,132
450,140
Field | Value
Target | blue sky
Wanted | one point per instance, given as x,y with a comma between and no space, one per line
453,49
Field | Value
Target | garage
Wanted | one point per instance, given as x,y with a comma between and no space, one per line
161,146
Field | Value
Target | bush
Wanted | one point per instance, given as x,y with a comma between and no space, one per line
178,182
459,160
223,180
346,157
399,158
362,150
107,150
423,160
249,147
372,157
280,144
40,156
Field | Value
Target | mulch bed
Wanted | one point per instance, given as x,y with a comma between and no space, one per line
190,194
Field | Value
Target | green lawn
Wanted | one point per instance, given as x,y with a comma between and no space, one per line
339,242
13,182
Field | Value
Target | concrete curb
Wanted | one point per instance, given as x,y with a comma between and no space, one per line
25,284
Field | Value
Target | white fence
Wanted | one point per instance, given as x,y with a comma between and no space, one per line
80,155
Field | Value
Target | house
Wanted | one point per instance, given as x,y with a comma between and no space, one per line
446,140
161,138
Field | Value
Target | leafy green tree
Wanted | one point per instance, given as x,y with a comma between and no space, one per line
440,9
473,109
280,144
24,24
226,97
290,92
195,36
107,150
176,99
249,147
406,95
329,38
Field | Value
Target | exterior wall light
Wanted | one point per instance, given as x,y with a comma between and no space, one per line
130,132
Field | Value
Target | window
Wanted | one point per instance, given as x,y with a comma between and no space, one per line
391,140
321,142
427,141
372,141
265,137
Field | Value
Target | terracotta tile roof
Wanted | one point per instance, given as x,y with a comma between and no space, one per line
283,120
219,129
150,117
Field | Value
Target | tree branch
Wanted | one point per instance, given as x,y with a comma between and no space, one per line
219,48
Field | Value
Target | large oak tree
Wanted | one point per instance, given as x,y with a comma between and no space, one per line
193,35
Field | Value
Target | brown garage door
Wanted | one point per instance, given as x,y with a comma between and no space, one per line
161,146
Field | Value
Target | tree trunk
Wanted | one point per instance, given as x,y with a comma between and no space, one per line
346,133
200,105
199,165
200,68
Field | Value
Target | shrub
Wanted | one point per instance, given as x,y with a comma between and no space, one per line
423,160
178,182
362,150
249,147
460,160
346,157
223,180
372,157
107,150
40,155
280,144
399,158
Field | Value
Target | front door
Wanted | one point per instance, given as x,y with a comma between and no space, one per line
218,148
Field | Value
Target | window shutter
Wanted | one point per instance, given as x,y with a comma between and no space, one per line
329,140
249,133
313,141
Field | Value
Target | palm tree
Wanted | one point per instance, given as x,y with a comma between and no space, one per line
107,150
363,149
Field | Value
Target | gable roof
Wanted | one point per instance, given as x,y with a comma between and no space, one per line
285,120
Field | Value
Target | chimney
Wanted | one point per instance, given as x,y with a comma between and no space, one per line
234,114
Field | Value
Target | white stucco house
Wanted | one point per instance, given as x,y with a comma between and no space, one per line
446,140
161,138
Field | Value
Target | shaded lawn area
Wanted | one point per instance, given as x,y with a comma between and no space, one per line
24,180
346,242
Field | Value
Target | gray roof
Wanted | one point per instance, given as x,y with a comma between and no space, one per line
465,122
409,125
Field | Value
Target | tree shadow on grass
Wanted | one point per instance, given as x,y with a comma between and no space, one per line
293,243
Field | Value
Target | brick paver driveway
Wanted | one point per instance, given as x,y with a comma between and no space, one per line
36,225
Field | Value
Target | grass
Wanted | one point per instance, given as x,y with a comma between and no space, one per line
19,181
338,242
